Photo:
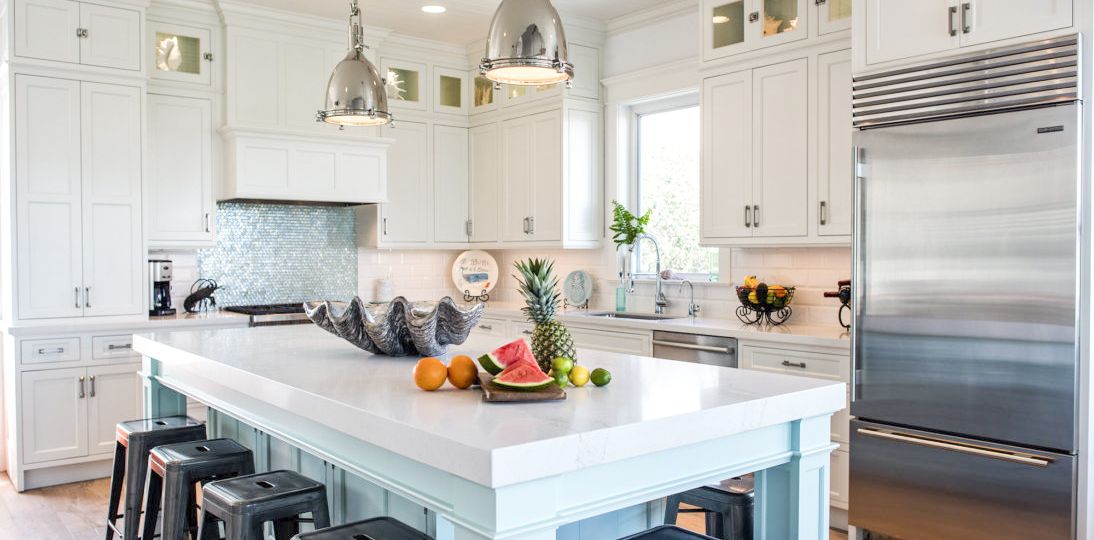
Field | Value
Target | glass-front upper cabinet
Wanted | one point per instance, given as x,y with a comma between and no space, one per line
406,84
450,90
833,15
736,26
484,96
181,53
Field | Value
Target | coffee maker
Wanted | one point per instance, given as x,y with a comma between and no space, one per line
159,276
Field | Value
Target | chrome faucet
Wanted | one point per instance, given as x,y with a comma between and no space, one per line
693,308
659,300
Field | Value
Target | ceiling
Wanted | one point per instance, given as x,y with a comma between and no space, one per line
464,22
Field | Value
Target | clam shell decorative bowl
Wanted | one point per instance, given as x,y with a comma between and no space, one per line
399,327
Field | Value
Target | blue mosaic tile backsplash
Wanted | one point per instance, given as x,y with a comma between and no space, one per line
276,253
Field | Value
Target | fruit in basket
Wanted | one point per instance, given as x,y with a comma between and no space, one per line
761,293
516,351
779,290
752,297
751,282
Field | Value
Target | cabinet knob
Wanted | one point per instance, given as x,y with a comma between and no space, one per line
754,16
208,57
81,32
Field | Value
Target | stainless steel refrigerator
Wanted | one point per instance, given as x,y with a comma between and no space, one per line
966,255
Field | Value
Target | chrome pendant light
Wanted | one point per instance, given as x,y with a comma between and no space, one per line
526,45
355,91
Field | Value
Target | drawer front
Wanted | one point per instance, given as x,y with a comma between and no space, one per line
824,366
107,347
621,342
488,326
839,474
44,351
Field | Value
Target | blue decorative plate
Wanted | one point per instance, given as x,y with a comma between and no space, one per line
577,288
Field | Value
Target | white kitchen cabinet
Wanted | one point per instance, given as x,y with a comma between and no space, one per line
450,184
78,198
755,153
405,217
113,395
180,184
903,30
516,170
833,15
839,478
835,184
637,343
485,183
586,61
493,327
736,26
54,414
78,32
193,57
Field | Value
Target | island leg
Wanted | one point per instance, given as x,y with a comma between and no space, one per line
158,399
792,499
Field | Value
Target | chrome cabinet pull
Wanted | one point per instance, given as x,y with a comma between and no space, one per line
756,215
87,296
930,442
527,226
823,213
788,363
205,222
81,394
748,216
115,346
953,25
486,327
77,290
691,347
469,227
92,393
965,9
385,226
754,16
58,350
820,2
532,225
527,332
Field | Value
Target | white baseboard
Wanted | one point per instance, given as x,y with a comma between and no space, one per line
838,518
66,474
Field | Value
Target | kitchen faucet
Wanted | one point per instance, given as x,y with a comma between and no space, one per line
693,308
659,300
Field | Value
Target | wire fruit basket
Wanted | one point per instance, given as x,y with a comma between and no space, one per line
765,305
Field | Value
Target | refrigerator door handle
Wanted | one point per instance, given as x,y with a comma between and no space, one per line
857,285
1013,457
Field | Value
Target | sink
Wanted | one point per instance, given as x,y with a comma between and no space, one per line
634,316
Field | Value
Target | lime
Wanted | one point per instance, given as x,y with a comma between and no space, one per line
562,365
561,379
601,377
579,376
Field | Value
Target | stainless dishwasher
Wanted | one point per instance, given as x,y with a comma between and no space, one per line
710,350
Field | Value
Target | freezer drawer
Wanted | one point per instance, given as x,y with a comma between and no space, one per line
914,484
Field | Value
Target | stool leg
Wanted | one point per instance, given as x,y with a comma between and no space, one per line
136,469
321,515
672,507
116,479
285,529
236,528
177,500
714,525
207,526
152,505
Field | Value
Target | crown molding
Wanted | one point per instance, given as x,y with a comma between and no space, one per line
651,15
245,14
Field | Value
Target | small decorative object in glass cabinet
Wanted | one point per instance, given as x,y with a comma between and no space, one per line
403,81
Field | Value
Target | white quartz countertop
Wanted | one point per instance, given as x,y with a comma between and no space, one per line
788,333
178,321
650,405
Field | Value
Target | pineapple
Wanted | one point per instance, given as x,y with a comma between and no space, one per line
550,339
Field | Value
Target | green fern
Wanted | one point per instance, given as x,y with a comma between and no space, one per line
626,225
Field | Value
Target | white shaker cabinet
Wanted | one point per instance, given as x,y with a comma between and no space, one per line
727,156
405,217
984,21
47,29
180,183
54,413
110,37
450,184
113,395
78,32
531,156
485,183
835,183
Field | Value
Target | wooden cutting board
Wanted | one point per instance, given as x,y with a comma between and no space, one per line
496,394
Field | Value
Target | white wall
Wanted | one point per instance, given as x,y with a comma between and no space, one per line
673,38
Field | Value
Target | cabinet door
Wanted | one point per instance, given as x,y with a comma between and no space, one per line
178,52
984,21
833,15
180,165
516,152
779,21
485,183
835,185
113,37
47,171
780,150
113,395
726,205
406,215
586,62
546,162
724,27
46,29
896,30
111,158
53,406
450,184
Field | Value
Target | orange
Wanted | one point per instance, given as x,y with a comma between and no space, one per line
430,373
462,371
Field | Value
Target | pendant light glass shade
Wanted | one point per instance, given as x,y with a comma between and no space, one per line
355,92
526,45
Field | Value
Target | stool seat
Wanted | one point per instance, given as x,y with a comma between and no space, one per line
244,503
728,505
134,440
173,469
380,528
668,532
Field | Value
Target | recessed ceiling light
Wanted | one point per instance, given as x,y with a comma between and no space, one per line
434,9
718,19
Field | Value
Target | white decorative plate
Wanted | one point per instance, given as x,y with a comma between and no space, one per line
475,272
577,288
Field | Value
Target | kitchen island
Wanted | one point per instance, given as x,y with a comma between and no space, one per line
594,466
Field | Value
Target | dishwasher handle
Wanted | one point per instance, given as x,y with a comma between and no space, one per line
690,347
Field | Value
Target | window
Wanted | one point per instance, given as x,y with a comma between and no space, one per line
667,165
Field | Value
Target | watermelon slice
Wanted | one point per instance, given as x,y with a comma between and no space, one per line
523,376
507,355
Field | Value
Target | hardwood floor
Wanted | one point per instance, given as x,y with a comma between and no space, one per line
78,511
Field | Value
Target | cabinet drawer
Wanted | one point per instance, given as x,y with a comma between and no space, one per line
621,342
824,366
43,351
839,473
488,326
107,347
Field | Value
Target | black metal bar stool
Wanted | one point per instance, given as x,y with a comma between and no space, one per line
380,528
245,503
173,469
668,532
728,506
133,441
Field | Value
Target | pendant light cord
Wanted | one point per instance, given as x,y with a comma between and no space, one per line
356,29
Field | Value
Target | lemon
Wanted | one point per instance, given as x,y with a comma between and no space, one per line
579,376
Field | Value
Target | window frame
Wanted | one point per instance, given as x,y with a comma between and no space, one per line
635,113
